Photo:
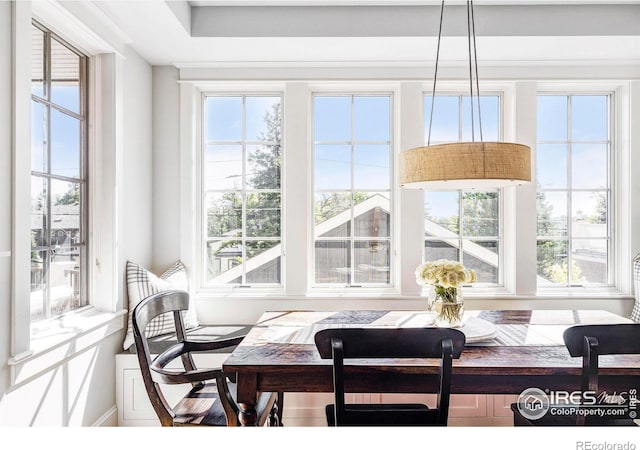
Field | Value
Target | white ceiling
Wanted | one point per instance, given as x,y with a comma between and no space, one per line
228,32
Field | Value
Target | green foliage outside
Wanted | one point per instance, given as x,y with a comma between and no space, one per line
262,209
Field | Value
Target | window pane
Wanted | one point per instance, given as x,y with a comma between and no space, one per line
333,262
552,118
223,119
371,214
490,108
589,214
65,217
263,166
437,249
371,167
332,213
589,260
263,261
480,213
589,118
442,213
224,214
445,119
37,62
223,168
263,119
372,262
589,166
263,214
65,280
552,213
65,144
224,259
482,256
552,261
371,119
552,165
38,137
332,167
65,77
39,283
39,206
332,119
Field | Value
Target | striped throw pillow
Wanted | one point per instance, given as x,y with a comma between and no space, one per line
141,283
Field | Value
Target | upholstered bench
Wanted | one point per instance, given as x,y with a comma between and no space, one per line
158,344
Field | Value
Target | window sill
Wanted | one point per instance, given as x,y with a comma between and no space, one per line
58,340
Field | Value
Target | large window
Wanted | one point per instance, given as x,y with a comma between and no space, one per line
573,194
463,225
242,198
352,190
58,176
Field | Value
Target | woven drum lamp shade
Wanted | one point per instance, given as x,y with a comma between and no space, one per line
465,165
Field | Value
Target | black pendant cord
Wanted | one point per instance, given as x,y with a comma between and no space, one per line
473,67
475,57
435,75
473,137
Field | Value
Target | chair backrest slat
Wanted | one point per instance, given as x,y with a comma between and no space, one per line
613,339
398,343
390,342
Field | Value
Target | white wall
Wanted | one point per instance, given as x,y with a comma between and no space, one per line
224,308
136,221
5,189
77,385
166,167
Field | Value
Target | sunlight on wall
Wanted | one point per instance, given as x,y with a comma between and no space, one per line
59,397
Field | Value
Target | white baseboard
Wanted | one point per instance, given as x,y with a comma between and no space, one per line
108,419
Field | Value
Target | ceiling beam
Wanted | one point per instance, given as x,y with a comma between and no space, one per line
414,20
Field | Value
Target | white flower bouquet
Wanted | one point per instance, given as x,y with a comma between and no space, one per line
446,277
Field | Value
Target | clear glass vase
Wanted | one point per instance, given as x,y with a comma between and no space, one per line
447,305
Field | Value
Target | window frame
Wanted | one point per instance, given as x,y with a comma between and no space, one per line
613,190
201,239
518,122
83,177
505,196
315,289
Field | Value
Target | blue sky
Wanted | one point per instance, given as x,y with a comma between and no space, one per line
65,136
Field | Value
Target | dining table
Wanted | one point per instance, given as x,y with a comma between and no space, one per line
506,352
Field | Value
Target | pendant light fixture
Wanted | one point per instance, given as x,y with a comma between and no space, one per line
465,165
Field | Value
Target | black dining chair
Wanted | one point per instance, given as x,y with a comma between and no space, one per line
211,396
367,343
589,342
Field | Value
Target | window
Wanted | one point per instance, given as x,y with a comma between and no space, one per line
58,176
464,226
242,197
573,194
352,190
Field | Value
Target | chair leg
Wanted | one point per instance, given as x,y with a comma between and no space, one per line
275,415
280,403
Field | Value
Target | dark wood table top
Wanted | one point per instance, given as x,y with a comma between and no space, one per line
279,354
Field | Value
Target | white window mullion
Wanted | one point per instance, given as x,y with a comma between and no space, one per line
411,231
296,189
520,212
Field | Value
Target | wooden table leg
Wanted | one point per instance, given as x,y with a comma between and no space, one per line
247,398
248,416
